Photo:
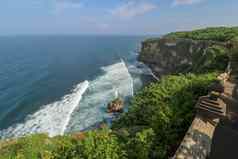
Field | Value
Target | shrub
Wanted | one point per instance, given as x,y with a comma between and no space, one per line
167,108
101,144
221,34
139,147
31,147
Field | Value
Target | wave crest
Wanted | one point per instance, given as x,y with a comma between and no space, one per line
115,81
52,118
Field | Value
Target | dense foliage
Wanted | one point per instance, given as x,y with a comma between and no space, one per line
100,144
167,109
221,34
215,58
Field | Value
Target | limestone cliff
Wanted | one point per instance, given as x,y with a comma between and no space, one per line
178,55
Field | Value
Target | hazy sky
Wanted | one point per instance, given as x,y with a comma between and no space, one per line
113,16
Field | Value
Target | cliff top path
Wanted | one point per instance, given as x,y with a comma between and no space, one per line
225,139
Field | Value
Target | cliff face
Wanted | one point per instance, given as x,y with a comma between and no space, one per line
177,55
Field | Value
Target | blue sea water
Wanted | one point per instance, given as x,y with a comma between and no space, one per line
59,84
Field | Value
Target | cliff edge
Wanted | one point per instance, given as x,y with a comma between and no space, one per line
199,51
161,113
195,51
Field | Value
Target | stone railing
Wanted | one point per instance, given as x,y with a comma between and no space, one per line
198,140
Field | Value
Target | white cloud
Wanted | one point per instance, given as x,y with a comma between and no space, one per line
186,2
133,8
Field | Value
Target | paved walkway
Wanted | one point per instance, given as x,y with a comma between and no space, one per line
214,131
213,135
225,138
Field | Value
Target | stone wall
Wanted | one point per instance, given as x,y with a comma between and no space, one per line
198,140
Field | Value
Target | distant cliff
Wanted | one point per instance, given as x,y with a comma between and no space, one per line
195,51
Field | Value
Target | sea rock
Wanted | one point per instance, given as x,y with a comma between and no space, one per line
116,106
79,136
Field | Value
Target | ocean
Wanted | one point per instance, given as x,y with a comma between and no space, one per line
62,84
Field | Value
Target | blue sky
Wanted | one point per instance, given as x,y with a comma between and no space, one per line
113,16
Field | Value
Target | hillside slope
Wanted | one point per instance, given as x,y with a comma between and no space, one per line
195,51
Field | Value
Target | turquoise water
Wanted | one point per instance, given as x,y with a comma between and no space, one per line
59,84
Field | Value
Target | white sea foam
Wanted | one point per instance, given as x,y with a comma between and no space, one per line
52,118
115,80
141,69
72,113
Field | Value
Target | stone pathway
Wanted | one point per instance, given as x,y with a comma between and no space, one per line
225,138
214,131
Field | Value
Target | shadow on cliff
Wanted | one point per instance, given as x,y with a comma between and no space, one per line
224,144
225,139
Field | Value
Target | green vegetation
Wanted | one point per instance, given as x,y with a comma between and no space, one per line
157,119
166,108
215,58
221,34
100,144
156,122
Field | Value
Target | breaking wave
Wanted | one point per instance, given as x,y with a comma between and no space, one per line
86,105
114,81
52,118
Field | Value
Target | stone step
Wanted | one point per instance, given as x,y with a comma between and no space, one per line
210,108
210,101
216,106
211,111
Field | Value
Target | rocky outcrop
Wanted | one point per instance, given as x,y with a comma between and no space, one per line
171,55
116,106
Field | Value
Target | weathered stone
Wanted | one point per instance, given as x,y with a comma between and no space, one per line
116,106
197,142
170,55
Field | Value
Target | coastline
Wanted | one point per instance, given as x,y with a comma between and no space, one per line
161,113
